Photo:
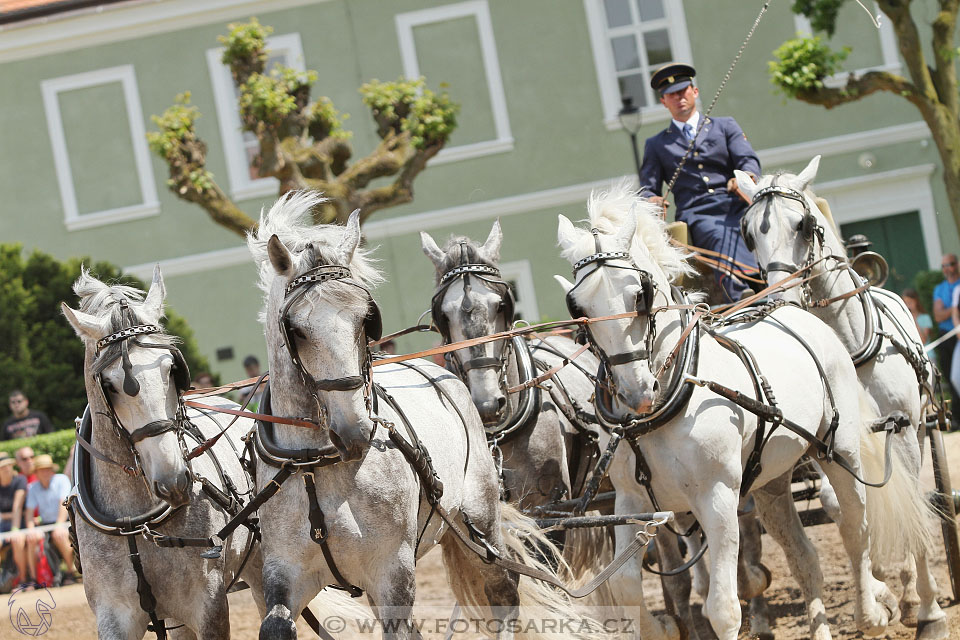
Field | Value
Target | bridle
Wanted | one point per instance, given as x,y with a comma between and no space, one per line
116,345
643,304
372,328
491,276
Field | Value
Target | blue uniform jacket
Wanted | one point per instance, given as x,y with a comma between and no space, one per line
701,187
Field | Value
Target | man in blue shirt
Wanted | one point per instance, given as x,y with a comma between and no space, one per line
47,495
942,308
705,191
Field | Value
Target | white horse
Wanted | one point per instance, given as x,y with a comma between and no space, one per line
134,377
788,231
373,504
695,460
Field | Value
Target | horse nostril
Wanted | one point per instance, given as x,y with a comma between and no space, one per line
656,386
160,491
501,403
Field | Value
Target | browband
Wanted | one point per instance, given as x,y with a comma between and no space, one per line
601,255
123,334
786,192
469,268
320,273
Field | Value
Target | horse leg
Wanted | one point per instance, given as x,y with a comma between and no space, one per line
285,595
117,622
779,516
676,589
700,574
751,585
215,619
392,598
626,585
716,509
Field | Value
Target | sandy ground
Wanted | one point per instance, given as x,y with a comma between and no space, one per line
72,619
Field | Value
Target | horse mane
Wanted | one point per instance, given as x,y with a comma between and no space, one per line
607,210
291,220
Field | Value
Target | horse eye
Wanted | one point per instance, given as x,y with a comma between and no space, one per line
298,333
500,306
108,387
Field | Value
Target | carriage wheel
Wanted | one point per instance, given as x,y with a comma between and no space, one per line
948,519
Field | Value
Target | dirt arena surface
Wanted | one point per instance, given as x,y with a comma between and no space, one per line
72,619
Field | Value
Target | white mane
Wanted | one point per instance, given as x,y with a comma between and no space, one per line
291,220
607,210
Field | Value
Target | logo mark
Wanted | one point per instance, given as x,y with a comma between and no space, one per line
31,612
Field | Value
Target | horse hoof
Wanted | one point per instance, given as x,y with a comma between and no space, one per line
932,629
889,602
909,611
277,627
769,578
673,629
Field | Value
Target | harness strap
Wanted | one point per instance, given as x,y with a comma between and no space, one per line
549,373
89,448
147,601
318,533
599,472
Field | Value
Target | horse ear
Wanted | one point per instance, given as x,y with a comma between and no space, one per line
565,284
624,237
806,176
430,248
745,183
86,326
280,258
565,232
491,248
153,304
351,238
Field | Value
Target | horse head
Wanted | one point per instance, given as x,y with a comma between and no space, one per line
785,228
319,317
623,264
472,300
135,375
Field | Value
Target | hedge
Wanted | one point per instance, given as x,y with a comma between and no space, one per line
56,445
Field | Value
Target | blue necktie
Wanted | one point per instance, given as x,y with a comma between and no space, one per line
688,131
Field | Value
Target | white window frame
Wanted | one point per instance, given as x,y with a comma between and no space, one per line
150,204
242,186
888,49
519,271
675,23
480,11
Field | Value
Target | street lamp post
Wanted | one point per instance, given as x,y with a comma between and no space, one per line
630,120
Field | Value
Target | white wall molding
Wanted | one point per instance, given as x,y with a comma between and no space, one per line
521,273
150,204
479,10
116,23
578,193
888,193
242,186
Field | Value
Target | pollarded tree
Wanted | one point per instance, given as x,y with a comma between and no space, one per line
302,143
930,83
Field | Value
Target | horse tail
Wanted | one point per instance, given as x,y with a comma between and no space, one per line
587,551
898,514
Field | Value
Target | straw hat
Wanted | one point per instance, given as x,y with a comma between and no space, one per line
44,462
6,460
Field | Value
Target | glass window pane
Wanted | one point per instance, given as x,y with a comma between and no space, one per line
625,54
618,12
658,47
650,10
633,86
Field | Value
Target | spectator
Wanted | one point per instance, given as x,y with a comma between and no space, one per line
920,316
25,464
47,495
13,491
24,423
943,313
203,380
252,366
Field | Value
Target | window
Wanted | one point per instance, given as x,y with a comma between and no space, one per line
630,39
520,278
873,49
239,146
99,147
454,44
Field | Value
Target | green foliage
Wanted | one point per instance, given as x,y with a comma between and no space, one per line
822,13
245,41
325,120
56,445
925,282
803,63
271,98
39,352
176,124
407,105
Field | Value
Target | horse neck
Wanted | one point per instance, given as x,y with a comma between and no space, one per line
116,493
846,317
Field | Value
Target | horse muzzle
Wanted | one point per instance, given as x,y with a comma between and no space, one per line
175,490
352,441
